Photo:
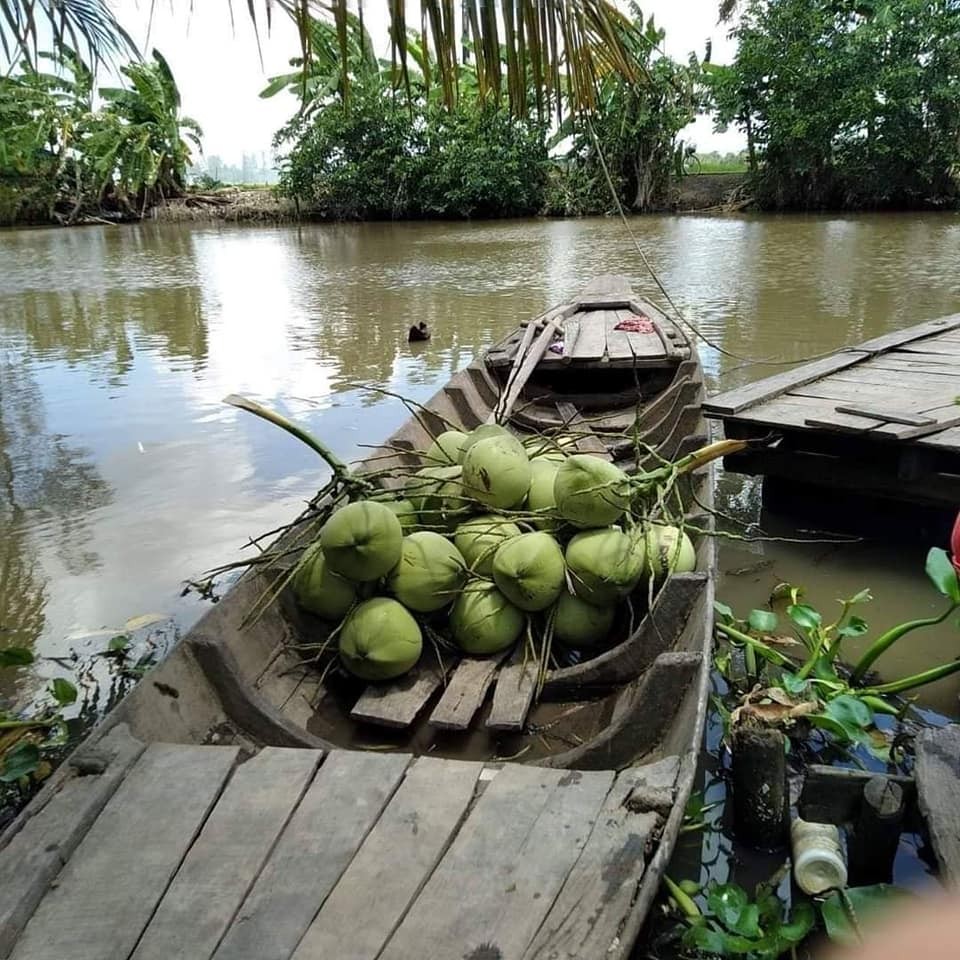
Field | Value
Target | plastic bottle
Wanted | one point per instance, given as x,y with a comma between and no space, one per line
818,862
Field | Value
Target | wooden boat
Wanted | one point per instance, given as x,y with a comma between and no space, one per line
628,722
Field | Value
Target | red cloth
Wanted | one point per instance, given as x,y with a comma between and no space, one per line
636,323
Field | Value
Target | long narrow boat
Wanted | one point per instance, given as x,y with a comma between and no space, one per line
541,824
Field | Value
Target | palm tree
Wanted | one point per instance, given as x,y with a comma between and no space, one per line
559,48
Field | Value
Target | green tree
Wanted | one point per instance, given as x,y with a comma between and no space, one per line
847,103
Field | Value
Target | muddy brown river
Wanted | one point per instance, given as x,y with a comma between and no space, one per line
123,474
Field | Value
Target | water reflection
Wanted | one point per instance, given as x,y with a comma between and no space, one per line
124,473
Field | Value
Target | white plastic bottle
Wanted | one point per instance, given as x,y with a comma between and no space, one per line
818,862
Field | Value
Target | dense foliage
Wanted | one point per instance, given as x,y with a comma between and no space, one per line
847,103
394,148
60,157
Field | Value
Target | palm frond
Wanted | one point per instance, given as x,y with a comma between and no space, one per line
84,26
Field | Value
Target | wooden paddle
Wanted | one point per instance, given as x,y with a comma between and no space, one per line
524,364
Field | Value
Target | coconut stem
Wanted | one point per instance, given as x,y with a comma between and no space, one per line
339,468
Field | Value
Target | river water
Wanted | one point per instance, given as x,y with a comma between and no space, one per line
124,474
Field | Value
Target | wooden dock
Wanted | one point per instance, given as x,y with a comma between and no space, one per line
179,851
880,419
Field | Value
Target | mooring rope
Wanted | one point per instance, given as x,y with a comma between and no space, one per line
679,315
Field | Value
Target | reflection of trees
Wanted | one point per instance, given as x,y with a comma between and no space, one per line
48,489
110,292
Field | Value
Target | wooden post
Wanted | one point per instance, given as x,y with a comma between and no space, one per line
876,833
760,794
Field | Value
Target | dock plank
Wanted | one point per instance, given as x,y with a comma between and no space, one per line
591,342
397,704
843,392
736,401
334,817
465,693
915,332
226,858
513,695
33,856
937,773
796,411
940,348
395,860
541,819
108,890
586,917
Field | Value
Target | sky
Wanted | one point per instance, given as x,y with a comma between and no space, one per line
220,74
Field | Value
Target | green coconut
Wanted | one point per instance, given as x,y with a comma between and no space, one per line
668,550
540,498
550,448
483,432
590,491
438,496
362,540
604,565
478,539
529,570
483,620
496,472
447,448
318,589
406,513
429,574
580,624
380,640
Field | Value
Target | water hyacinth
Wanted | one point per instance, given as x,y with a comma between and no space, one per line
496,472
529,570
318,589
362,540
447,448
429,573
380,640
483,621
605,564
590,491
668,550
580,624
479,538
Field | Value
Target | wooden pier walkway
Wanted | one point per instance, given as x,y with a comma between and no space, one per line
881,418
174,851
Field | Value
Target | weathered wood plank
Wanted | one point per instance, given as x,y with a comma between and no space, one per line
794,411
937,773
915,332
618,343
397,704
513,695
833,794
586,917
908,375
735,401
343,803
591,342
34,855
605,291
226,858
109,888
890,416
949,439
945,417
465,692
939,348
574,423
397,857
541,820
646,345
868,393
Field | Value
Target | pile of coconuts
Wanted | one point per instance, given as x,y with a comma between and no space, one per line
490,541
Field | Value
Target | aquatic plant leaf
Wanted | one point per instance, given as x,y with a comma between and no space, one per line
943,574
800,923
731,906
119,644
792,683
863,903
20,761
763,621
15,657
63,691
724,611
804,616
854,627
845,717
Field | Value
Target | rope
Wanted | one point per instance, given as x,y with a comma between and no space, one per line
678,313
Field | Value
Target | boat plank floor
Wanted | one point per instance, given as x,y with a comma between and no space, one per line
275,859
465,692
398,704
